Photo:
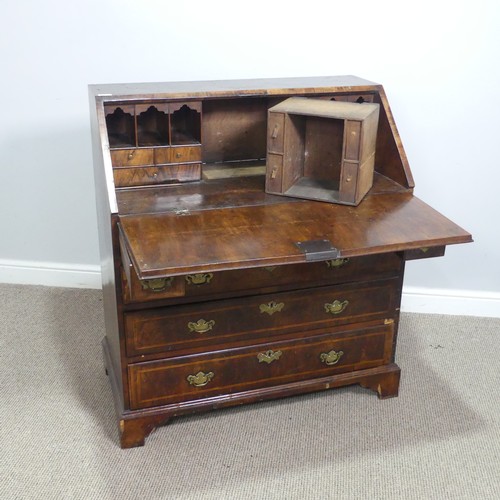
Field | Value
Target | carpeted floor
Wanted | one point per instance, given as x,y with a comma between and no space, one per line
439,440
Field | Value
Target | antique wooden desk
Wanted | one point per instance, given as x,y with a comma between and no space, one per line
218,294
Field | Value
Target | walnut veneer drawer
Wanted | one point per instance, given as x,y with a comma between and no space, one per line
199,376
262,278
183,154
141,176
332,271
132,157
196,327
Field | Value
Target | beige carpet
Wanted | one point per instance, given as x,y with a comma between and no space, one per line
439,440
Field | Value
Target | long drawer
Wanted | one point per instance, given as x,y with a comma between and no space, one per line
195,327
224,372
275,277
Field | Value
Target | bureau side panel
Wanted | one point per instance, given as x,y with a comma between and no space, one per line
107,225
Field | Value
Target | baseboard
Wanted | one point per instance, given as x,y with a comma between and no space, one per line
50,274
415,299
454,302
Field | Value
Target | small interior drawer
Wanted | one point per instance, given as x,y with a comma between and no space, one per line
143,176
185,154
199,376
194,327
275,132
132,157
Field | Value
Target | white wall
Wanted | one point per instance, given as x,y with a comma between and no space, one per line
438,62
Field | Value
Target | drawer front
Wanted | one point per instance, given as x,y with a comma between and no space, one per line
132,157
319,273
143,176
275,132
274,173
136,290
185,154
224,372
162,155
352,140
194,327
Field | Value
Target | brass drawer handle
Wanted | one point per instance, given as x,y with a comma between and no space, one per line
269,356
201,326
200,379
199,279
336,263
331,358
336,307
275,131
271,307
131,154
157,284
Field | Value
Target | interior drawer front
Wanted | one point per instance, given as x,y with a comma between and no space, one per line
185,154
275,132
143,176
326,272
224,372
132,157
195,327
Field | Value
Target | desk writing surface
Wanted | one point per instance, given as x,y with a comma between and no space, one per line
167,244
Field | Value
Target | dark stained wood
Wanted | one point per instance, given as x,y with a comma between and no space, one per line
265,235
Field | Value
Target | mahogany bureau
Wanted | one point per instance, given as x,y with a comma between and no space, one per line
217,293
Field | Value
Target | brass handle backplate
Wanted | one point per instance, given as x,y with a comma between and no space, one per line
271,307
201,326
200,379
336,307
336,263
275,131
269,356
331,358
199,279
157,284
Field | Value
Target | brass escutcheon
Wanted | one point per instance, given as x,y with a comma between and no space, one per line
271,307
331,358
336,307
200,379
269,356
199,279
336,263
157,284
201,326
